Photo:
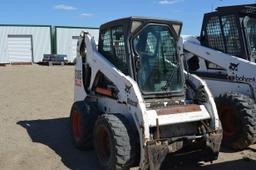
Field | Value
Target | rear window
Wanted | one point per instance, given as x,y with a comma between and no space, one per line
112,46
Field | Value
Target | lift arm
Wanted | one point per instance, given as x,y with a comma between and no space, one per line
237,69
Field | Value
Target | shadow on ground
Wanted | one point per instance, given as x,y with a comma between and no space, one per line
242,164
186,163
229,150
55,133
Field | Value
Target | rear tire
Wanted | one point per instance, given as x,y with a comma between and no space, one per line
82,119
114,142
237,113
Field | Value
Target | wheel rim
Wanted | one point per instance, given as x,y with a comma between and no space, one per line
103,143
229,121
76,126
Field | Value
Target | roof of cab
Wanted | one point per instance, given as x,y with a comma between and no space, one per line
139,18
241,8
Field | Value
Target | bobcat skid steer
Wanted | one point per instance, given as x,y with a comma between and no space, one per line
133,101
225,56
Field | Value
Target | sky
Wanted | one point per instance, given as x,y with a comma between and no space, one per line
93,13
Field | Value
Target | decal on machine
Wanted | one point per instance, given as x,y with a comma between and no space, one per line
233,66
242,78
78,78
128,89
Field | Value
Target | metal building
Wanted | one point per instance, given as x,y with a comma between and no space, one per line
24,43
66,39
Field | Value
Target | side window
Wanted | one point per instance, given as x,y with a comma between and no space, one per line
222,34
231,35
106,41
251,36
214,34
215,39
112,46
119,50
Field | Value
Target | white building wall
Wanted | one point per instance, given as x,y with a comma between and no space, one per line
41,39
65,40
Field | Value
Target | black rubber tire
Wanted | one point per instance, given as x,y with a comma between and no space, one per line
243,111
115,142
87,114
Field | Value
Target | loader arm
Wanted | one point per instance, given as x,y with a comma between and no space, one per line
236,69
128,92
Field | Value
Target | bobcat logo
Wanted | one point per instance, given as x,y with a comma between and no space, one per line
128,89
233,66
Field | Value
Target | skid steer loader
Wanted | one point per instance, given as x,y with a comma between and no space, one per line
224,56
133,101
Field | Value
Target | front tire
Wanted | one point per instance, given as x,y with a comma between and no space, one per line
237,113
114,142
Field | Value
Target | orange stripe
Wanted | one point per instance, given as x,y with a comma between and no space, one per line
103,91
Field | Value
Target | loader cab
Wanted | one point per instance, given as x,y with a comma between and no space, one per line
146,50
232,30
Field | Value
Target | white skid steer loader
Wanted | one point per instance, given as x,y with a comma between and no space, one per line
224,56
135,103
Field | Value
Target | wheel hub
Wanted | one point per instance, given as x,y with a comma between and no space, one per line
103,143
76,126
229,121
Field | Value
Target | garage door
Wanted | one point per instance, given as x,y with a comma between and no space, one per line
20,48
74,46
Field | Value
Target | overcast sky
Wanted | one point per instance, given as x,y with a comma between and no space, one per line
95,12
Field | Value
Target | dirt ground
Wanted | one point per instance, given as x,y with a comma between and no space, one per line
34,128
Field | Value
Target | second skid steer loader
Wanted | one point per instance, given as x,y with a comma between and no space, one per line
224,56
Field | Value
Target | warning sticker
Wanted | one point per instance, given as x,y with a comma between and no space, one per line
78,78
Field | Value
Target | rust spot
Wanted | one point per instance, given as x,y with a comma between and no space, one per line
178,109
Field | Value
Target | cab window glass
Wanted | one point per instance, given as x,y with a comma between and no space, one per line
112,46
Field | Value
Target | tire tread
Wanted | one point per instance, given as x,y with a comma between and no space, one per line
247,110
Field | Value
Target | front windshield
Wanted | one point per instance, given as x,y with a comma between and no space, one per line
251,34
159,69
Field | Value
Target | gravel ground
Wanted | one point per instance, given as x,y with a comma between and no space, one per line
34,128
